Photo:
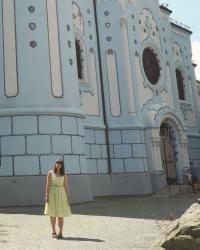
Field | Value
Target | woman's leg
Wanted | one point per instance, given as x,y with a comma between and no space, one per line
60,224
53,223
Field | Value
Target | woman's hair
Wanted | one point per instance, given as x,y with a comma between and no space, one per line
62,170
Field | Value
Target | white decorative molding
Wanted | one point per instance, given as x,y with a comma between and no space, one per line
157,114
153,150
113,83
177,53
123,21
161,83
77,17
148,27
91,99
54,48
167,94
154,114
128,71
10,54
144,93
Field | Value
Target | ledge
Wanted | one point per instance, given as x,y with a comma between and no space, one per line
181,26
162,7
41,111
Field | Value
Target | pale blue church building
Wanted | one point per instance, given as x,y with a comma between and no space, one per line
107,85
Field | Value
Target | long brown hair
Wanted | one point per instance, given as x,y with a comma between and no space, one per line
62,170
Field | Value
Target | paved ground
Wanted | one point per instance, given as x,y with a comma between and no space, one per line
107,223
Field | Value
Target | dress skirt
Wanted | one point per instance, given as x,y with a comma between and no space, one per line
57,206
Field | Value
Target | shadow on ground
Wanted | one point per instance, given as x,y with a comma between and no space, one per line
137,207
145,207
3,233
82,239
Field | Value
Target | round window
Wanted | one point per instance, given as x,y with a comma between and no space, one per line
151,65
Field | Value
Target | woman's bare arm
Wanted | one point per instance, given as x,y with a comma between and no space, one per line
48,186
66,187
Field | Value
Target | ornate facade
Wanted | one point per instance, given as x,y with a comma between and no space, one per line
107,85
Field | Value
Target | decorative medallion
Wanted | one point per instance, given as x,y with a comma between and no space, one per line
33,44
68,27
69,44
32,26
107,25
70,61
109,38
106,13
31,9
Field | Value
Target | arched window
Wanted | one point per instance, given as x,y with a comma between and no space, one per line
79,60
180,85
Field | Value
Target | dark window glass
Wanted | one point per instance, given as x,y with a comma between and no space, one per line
151,65
180,85
79,60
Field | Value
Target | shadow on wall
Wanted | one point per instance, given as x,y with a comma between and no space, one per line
125,207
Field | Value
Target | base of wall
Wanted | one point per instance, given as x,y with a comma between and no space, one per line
30,190
127,184
159,181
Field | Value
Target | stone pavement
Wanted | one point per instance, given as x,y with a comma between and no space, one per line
107,223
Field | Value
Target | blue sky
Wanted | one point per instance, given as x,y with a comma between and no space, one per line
187,12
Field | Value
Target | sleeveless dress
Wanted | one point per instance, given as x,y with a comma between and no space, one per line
58,201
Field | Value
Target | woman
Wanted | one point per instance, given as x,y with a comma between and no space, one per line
57,197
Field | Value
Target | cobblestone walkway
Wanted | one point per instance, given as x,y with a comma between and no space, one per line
107,223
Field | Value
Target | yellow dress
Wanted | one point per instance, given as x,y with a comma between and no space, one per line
58,202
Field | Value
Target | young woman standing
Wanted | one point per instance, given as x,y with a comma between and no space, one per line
57,198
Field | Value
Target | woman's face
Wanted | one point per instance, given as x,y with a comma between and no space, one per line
58,166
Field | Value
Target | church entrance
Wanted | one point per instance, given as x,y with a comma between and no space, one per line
168,153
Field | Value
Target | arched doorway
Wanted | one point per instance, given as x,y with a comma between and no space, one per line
168,153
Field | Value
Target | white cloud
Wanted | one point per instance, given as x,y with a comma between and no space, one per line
196,57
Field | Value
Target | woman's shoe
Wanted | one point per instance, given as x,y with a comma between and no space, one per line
60,236
54,235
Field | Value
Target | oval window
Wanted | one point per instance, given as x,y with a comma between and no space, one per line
151,65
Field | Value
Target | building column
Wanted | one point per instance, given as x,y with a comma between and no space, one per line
153,149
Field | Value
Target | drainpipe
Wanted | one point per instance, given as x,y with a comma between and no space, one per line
102,89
